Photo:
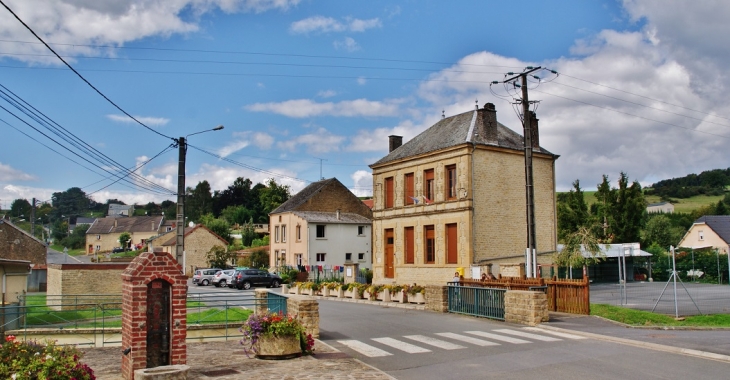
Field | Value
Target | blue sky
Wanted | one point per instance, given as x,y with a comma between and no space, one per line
309,86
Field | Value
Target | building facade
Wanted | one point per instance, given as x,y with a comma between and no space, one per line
199,240
709,231
453,199
324,224
103,235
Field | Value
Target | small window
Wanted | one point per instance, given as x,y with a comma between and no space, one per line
389,192
320,231
299,233
360,230
701,234
98,237
299,259
361,257
98,248
429,186
410,196
348,256
320,257
276,234
429,245
279,218
283,233
451,182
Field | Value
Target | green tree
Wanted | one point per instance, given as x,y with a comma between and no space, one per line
572,212
575,244
198,202
77,238
257,259
721,209
70,203
124,239
20,208
248,233
219,226
237,214
621,212
219,257
273,195
660,231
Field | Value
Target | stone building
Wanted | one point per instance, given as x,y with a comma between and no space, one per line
324,224
103,235
198,241
18,244
453,198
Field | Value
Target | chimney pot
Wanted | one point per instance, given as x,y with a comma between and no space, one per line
488,131
394,142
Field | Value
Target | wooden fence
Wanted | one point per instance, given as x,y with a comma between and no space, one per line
564,295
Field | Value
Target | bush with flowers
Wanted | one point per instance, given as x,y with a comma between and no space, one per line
33,360
274,325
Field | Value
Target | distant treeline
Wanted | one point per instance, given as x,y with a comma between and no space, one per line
711,182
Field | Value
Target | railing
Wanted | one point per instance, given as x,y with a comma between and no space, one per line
564,295
477,301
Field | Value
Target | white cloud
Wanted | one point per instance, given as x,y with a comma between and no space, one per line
7,173
321,24
326,93
367,140
147,120
362,81
71,25
347,43
300,108
363,181
320,141
244,139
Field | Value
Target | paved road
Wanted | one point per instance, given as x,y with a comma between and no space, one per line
55,257
410,344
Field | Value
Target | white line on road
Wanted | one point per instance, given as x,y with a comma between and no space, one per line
502,338
560,334
434,342
468,339
528,335
400,345
364,349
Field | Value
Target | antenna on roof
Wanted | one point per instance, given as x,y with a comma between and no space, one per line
443,114
476,103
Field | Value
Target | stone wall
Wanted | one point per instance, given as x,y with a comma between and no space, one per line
307,310
66,282
525,307
197,244
437,298
16,244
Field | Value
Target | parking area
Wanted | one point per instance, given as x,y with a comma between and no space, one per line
691,298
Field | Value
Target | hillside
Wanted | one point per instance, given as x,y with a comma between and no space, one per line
685,205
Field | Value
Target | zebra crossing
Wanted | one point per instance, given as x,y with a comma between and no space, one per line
416,344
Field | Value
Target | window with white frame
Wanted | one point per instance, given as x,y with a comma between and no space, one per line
283,233
299,259
320,257
701,235
276,234
98,248
320,231
98,237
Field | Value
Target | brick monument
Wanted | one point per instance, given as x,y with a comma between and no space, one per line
154,327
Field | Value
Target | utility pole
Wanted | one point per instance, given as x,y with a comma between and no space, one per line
180,224
32,218
531,259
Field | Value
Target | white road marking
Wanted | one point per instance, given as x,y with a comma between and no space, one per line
468,339
556,333
364,349
502,338
434,342
400,345
528,335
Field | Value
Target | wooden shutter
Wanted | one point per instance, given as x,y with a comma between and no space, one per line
452,256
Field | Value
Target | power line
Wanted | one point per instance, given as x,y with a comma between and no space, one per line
78,74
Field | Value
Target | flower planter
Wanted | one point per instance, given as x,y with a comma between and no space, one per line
278,347
349,293
366,295
416,298
400,296
384,295
325,292
284,288
339,293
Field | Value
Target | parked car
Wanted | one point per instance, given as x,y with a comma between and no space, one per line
204,276
247,278
117,249
222,277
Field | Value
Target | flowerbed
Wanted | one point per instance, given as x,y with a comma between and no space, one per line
33,360
260,327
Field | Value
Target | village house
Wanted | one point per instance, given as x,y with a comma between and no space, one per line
103,235
709,231
18,244
324,224
199,240
120,210
453,199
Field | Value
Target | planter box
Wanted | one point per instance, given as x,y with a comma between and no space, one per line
284,288
399,296
348,293
366,295
325,291
417,298
339,293
384,296
278,347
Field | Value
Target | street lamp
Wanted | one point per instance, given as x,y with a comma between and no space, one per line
180,224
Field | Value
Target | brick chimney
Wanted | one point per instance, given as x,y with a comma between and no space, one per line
535,133
489,123
394,142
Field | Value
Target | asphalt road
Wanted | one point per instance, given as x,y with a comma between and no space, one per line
410,344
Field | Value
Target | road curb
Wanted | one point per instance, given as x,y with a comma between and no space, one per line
358,360
636,343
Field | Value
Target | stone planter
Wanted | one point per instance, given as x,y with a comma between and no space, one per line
278,347
366,295
339,293
384,295
348,293
399,296
325,292
284,288
416,298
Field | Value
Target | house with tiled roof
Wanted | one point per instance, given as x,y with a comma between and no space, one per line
103,235
709,231
453,199
324,224
18,244
199,240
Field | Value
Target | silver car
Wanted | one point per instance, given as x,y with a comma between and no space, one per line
204,276
223,277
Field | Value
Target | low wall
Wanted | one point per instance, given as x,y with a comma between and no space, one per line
304,307
525,307
437,298
68,281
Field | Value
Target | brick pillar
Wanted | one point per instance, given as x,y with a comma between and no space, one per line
144,269
307,311
525,307
437,298
262,301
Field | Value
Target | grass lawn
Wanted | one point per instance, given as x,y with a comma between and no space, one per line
685,205
645,318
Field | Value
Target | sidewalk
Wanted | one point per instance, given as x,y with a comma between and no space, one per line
713,343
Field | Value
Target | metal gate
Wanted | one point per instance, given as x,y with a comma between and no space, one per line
477,301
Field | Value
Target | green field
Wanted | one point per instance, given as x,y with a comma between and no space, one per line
645,318
685,205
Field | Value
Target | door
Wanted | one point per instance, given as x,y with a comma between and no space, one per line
389,254
158,323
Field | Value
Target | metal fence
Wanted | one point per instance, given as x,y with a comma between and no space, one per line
476,301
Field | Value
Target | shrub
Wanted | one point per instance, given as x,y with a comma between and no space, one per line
413,289
33,360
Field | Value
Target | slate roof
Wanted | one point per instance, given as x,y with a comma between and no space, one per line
22,231
719,223
303,195
453,131
130,224
331,217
